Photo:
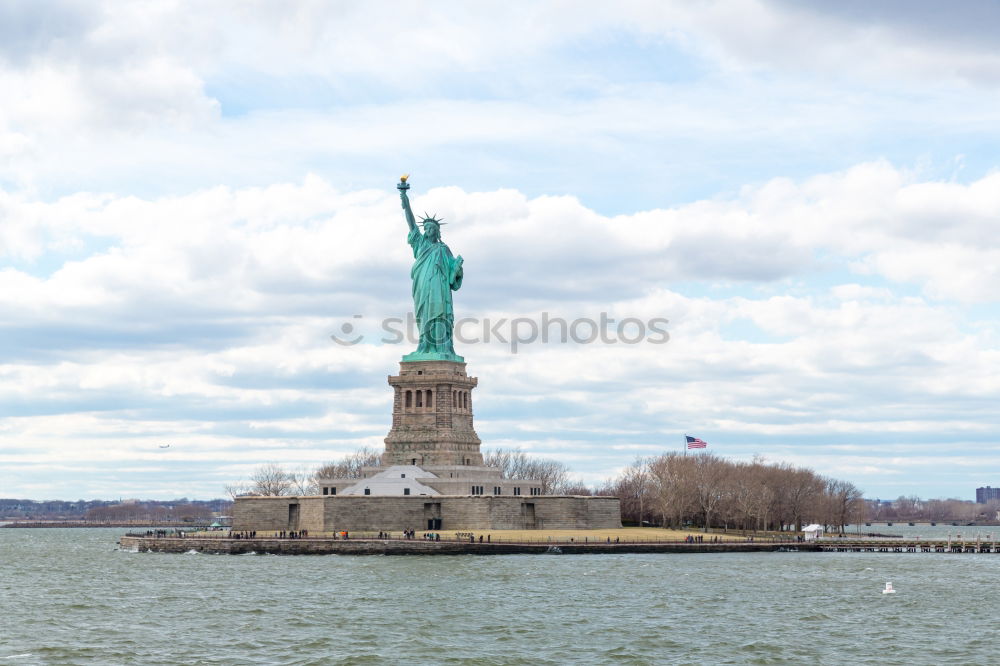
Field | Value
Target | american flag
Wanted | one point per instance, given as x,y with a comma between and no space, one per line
695,443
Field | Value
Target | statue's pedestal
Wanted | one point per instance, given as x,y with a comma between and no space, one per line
432,415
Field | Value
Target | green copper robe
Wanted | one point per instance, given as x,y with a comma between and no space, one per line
435,274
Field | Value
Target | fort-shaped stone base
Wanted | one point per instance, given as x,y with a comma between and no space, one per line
432,416
443,512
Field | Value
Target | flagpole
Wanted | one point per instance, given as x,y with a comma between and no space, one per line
685,448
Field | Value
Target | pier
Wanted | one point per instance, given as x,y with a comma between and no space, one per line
908,546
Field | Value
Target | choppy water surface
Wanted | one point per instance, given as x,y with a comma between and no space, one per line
68,597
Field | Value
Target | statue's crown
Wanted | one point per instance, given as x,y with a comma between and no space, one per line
431,218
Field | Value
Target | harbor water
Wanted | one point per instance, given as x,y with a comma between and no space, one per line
67,596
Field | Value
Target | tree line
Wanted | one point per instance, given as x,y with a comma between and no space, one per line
707,491
154,512
113,510
915,509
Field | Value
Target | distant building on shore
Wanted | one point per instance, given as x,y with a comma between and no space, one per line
984,495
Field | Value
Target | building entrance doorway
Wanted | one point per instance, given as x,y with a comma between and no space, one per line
432,514
528,515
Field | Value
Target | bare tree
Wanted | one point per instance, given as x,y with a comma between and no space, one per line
576,488
553,474
750,495
800,488
843,499
709,477
637,479
303,481
907,508
270,479
513,463
671,487
347,467
634,488
858,512
237,489
876,510
936,509
516,464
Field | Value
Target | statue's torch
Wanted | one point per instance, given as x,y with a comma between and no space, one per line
403,185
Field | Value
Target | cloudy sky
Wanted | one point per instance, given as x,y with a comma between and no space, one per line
195,196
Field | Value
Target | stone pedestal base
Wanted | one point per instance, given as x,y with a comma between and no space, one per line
432,416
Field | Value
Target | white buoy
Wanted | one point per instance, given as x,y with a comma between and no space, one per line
888,589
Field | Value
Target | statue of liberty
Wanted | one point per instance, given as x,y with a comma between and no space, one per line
435,274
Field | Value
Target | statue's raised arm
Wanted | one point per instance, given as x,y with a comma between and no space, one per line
402,187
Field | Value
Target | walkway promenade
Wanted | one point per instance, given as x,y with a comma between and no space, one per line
419,546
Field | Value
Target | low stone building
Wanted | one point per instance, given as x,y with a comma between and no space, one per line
432,476
431,481
382,512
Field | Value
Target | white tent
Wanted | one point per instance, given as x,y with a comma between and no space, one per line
813,531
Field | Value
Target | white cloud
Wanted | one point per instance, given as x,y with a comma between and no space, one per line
878,42
158,98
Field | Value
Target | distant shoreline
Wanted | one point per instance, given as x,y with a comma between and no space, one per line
32,524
